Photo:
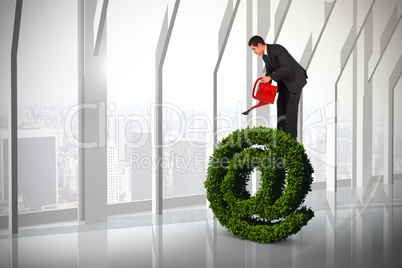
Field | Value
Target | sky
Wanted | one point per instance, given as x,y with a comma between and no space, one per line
47,61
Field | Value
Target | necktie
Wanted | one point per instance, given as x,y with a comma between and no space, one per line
265,57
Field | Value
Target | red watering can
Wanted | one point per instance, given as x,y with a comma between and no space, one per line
265,94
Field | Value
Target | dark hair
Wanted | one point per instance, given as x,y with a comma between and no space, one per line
255,40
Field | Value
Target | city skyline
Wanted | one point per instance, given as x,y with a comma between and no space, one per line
125,174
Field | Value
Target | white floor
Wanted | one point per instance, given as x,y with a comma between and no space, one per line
351,228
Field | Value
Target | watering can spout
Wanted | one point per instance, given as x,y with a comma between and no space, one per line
260,103
265,94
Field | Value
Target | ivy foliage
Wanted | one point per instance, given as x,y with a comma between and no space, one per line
276,211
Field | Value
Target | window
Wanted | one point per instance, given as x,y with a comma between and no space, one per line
47,90
132,34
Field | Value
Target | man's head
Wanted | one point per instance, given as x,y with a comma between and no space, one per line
257,45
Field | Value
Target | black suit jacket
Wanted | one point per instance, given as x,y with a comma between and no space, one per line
285,68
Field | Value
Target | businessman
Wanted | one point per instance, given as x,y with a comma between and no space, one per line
290,77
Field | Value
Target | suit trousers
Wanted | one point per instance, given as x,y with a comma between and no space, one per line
287,106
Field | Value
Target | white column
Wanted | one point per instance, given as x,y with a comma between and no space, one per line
157,241
95,99
389,137
389,124
13,126
157,113
81,99
364,106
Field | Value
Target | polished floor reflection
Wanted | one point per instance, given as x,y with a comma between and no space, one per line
351,228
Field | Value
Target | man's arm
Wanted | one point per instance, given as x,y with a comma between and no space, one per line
267,77
284,69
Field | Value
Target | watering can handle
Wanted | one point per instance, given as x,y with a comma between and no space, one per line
256,81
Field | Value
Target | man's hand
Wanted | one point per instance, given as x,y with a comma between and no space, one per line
266,79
